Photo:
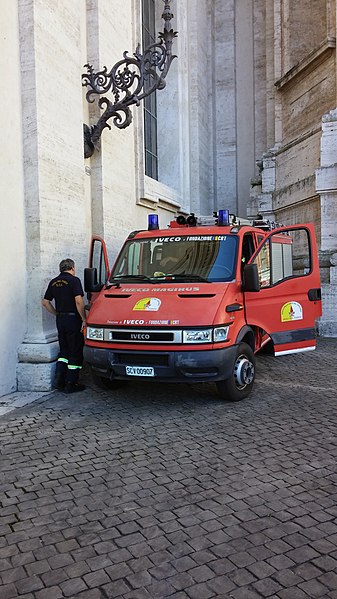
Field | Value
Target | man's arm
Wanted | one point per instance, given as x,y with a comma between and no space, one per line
49,306
80,307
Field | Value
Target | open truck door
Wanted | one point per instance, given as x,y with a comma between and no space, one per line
287,299
97,274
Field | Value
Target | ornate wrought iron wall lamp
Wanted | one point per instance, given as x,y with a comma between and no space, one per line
130,80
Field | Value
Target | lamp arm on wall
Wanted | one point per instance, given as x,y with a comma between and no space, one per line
129,81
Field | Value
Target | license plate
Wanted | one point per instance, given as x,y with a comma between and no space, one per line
139,370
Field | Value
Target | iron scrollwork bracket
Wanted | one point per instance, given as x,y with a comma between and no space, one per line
130,80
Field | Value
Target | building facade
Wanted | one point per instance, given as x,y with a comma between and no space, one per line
247,121
297,181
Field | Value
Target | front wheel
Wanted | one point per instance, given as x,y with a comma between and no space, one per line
240,383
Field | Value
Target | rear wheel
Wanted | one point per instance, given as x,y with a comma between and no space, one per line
240,383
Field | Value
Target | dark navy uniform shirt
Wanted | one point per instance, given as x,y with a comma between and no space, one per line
63,289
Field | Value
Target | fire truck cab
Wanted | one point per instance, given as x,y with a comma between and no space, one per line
196,301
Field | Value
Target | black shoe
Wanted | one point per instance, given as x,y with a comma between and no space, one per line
58,384
73,388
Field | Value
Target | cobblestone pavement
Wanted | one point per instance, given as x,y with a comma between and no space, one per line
166,491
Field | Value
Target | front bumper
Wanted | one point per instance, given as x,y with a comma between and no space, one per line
169,366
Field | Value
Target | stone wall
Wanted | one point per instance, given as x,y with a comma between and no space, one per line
56,213
12,223
298,166
55,199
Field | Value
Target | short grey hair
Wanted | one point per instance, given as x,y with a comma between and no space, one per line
66,264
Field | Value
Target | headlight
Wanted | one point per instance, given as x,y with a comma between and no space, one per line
220,334
215,335
95,334
198,336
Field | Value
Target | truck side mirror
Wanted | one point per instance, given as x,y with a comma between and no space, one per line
251,280
91,285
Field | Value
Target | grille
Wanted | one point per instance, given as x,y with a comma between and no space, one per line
142,335
143,359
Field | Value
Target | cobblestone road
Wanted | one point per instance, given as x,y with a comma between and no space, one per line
155,492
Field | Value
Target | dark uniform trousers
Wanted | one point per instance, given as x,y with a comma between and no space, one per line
71,343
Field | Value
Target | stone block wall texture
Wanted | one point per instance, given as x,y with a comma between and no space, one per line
304,27
304,102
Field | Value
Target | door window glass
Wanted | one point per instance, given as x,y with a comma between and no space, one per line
247,248
263,265
284,255
98,262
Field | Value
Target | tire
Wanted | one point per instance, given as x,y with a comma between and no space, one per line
240,383
107,384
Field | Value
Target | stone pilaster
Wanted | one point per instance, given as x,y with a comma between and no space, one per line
254,195
53,169
328,323
264,200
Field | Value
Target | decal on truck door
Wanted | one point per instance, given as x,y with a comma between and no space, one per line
291,311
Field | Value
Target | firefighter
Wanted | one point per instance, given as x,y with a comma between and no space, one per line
67,292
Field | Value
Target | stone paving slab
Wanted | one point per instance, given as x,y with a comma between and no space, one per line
159,491
18,399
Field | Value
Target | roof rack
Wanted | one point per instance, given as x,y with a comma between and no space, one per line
218,218
266,225
222,217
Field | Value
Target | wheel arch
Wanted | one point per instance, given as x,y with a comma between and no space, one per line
247,335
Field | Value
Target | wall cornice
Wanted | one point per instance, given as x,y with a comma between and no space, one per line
307,65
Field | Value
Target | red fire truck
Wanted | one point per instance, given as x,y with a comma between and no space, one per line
196,301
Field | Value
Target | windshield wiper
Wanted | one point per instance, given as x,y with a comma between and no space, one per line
185,276
112,284
119,278
115,281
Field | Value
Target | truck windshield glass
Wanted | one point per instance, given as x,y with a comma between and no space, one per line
203,257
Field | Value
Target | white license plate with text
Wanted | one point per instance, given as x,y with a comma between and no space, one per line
139,370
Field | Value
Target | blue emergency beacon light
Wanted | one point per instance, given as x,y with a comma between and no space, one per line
223,218
153,222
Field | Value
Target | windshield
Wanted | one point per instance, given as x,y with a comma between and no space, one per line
192,257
